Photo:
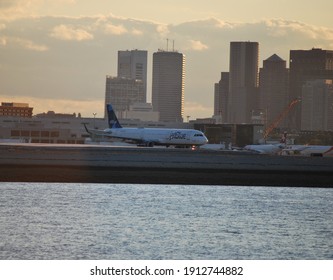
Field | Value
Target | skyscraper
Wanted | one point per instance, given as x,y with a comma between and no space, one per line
122,93
168,85
221,92
133,65
317,109
130,85
306,65
243,81
273,84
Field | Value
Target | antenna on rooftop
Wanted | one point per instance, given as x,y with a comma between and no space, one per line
173,45
167,44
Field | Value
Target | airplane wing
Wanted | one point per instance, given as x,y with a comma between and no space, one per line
96,132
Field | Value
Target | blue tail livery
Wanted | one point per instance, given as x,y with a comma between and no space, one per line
112,118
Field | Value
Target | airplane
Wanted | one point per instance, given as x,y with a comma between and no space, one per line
311,150
270,149
150,136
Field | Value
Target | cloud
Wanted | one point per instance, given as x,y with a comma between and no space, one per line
197,45
77,71
3,41
137,32
13,9
69,33
22,43
283,28
162,30
30,45
115,29
5,4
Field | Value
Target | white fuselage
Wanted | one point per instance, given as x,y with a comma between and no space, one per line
303,150
159,136
265,148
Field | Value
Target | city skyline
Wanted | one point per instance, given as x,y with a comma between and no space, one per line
55,54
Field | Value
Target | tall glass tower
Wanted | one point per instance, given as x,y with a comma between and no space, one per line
168,85
243,81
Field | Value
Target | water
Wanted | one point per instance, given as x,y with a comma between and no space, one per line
113,221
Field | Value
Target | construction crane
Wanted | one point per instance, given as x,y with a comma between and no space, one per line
280,117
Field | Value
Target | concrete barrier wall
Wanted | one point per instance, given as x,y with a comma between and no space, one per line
83,163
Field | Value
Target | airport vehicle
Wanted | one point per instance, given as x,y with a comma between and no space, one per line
150,136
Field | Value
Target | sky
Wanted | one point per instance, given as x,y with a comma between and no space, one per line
55,54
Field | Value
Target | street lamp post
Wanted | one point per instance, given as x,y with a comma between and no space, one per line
94,119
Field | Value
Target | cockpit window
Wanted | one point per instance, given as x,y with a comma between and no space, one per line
198,135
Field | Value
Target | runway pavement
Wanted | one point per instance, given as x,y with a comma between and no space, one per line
107,164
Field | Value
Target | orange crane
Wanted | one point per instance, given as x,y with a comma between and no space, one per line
280,117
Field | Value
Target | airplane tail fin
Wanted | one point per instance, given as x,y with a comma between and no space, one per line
112,118
86,128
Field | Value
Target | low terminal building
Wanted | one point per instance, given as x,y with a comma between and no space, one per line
70,130
238,135
63,128
17,124
45,130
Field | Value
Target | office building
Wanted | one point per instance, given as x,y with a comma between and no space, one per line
243,81
273,84
133,65
14,109
317,106
143,112
168,85
306,65
122,93
221,92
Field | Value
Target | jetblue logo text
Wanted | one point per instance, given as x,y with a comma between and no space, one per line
177,135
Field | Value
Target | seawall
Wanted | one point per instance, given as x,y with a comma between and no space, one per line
106,164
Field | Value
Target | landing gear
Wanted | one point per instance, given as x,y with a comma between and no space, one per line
146,144
150,144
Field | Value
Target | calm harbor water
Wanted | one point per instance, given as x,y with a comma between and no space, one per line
114,221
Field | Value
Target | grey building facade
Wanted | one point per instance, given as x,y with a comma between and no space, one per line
273,85
306,65
243,81
168,85
122,93
133,65
221,93
317,106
